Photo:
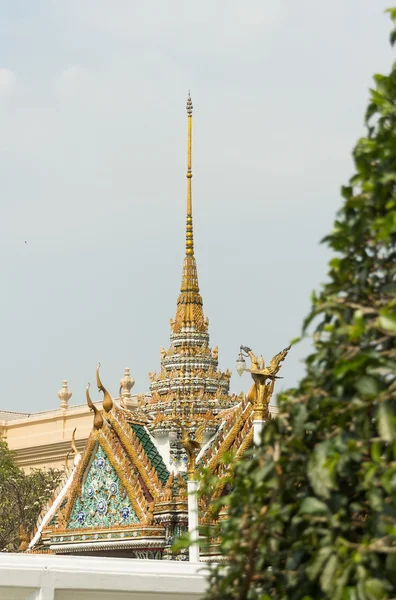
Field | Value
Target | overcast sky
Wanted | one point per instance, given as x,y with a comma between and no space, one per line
92,171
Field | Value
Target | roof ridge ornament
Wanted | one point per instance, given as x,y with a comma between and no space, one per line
98,419
64,395
107,399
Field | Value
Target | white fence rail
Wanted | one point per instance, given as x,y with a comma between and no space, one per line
46,577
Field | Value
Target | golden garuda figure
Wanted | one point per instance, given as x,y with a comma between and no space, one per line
261,391
191,446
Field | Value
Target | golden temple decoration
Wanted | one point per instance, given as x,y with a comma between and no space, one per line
246,443
189,382
182,494
189,230
66,465
189,311
264,380
73,442
107,399
149,518
138,456
191,446
168,489
98,419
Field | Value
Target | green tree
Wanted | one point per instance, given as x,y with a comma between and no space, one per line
312,513
22,497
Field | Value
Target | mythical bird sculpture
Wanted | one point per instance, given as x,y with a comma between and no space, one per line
258,366
191,446
260,393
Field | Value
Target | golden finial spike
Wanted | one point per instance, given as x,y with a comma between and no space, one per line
189,311
98,419
107,399
73,442
189,224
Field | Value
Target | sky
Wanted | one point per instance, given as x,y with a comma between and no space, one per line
92,171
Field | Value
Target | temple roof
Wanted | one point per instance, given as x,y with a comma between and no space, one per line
120,496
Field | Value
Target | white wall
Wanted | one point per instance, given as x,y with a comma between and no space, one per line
48,577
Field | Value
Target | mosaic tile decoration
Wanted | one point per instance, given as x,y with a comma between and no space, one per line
104,502
152,452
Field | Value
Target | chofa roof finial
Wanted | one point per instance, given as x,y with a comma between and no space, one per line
107,399
98,419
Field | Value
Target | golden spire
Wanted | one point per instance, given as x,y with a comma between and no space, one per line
189,223
189,305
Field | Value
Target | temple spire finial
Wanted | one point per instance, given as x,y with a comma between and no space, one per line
189,311
189,223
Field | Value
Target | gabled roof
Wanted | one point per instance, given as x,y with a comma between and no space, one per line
110,494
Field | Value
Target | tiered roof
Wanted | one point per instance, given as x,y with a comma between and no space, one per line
189,389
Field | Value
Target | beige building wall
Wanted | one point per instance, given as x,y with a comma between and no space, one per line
44,439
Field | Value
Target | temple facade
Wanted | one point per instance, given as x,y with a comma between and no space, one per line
126,493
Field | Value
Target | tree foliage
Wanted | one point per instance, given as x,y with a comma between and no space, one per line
22,497
312,513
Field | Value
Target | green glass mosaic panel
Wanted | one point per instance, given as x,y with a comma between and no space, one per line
152,452
104,502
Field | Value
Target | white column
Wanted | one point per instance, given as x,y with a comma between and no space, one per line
258,427
192,488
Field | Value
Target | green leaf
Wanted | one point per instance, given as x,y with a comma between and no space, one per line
391,12
318,561
387,320
334,263
357,329
313,506
367,386
375,452
328,574
321,471
386,422
374,589
390,289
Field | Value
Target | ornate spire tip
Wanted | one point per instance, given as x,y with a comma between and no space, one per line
189,105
